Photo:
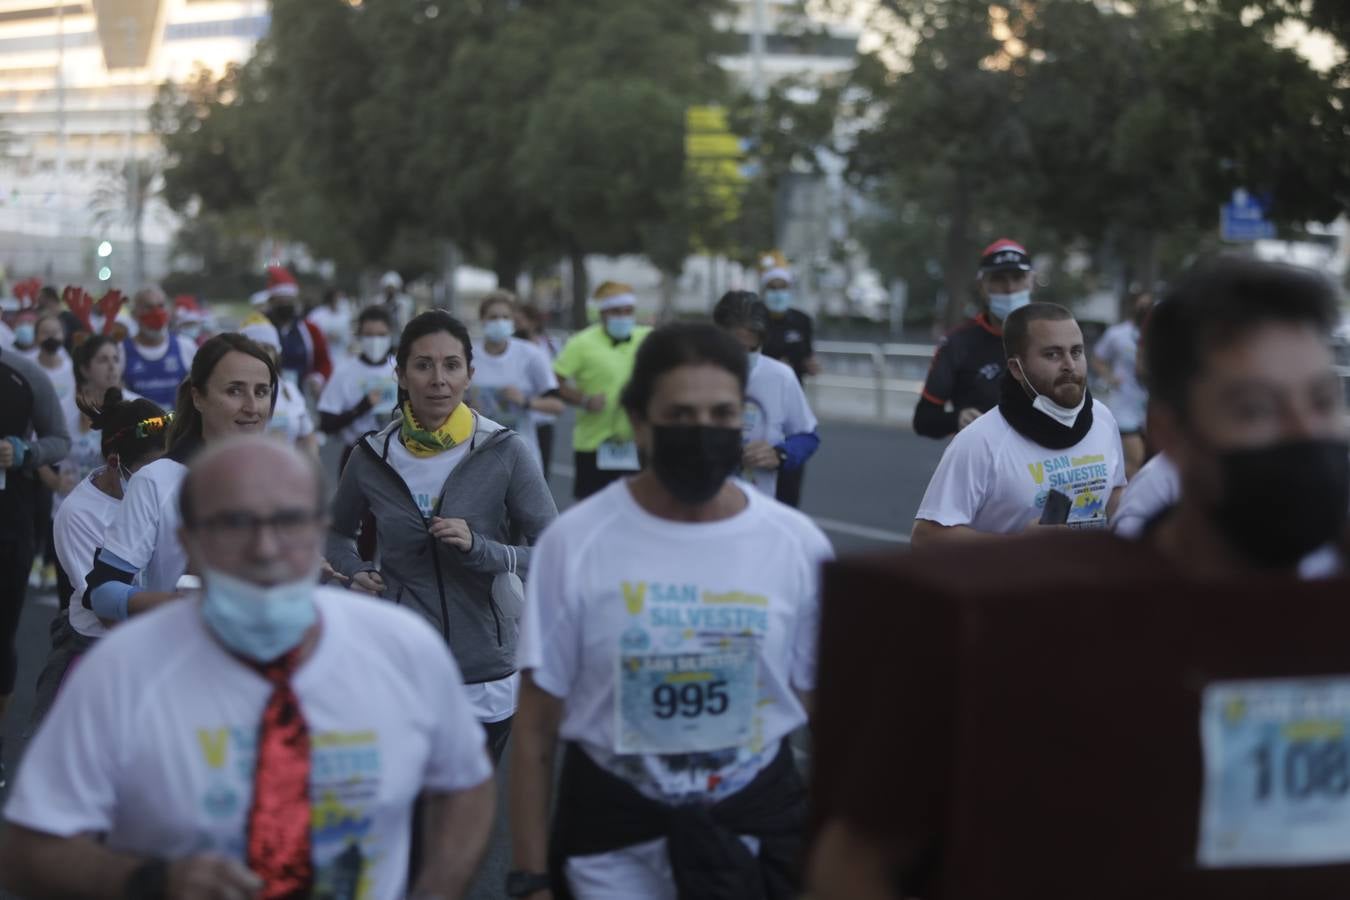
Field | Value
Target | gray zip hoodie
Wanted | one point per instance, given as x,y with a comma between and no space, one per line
498,489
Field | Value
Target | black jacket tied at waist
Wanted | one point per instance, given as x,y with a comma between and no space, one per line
598,813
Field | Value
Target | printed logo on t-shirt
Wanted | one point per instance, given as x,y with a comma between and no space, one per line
1085,480
344,783
990,371
688,672
387,387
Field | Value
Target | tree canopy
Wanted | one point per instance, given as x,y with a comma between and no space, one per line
521,131
1114,129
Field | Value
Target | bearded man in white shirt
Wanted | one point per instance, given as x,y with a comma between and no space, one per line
1048,454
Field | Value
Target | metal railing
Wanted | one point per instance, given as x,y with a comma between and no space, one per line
884,371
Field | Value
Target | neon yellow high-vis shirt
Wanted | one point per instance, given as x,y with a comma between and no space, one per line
596,365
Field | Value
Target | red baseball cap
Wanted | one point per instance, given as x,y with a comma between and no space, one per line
1002,255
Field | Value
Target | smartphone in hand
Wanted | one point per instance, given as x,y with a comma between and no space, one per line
1056,511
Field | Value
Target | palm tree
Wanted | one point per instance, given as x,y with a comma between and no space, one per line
121,199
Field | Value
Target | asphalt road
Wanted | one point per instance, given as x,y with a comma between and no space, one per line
862,487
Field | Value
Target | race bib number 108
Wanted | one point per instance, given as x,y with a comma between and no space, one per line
1277,772
685,702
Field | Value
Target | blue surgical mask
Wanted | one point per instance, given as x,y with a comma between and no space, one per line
259,623
1001,305
499,331
778,300
753,357
25,334
620,327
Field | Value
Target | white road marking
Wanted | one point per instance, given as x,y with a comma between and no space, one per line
852,529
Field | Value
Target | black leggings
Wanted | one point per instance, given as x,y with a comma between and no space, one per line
16,558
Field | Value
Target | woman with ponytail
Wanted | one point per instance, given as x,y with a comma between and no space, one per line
131,433
228,392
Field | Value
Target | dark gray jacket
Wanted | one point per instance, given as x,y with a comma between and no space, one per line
498,489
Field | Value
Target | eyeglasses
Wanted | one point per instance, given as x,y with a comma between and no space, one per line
237,528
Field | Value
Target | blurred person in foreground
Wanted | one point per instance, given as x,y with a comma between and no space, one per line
268,739
1246,404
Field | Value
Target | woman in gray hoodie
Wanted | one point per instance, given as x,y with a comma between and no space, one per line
457,500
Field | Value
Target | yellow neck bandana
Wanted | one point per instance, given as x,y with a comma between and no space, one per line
457,429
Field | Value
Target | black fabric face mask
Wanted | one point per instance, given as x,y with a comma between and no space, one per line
1282,501
693,461
1035,425
51,345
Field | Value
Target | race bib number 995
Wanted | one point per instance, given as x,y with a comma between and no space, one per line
1277,772
685,702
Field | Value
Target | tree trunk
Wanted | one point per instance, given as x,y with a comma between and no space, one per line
956,270
580,286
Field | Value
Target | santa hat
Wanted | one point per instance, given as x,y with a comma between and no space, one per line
391,279
280,283
773,266
187,309
259,330
614,295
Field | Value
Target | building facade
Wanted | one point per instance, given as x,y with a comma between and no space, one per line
77,78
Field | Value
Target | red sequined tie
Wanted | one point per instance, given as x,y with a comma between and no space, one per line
278,823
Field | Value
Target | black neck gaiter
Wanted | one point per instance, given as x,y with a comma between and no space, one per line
1036,426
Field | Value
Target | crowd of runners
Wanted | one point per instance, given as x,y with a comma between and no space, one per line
259,684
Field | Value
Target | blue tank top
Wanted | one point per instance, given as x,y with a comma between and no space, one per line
295,351
154,379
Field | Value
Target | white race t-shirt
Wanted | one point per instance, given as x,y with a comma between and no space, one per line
994,480
675,647
77,531
336,325
152,741
523,366
144,532
426,475
62,377
775,407
352,380
291,420
1119,348
1155,487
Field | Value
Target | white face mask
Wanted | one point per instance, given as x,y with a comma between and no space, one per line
1002,305
754,356
1064,415
375,347
259,623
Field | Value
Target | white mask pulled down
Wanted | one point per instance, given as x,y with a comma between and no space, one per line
1064,415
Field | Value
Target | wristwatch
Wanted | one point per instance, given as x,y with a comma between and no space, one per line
148,881
782,456
523,884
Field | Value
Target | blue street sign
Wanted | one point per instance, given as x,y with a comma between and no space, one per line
1244,218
